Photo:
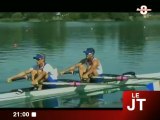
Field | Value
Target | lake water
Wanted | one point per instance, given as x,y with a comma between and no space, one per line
121,47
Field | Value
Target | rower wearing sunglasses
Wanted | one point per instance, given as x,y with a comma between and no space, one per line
87,67
38,73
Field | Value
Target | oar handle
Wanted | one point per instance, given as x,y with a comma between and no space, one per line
74,72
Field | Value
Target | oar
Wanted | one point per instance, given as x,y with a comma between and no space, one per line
123,74
124,78
71,83
110,76
154,86
74,72
80,83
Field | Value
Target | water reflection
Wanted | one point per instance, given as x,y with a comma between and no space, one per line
49,36
100,32
105,30
47,103
131,37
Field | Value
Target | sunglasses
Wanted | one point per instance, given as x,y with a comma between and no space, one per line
38,59
88,54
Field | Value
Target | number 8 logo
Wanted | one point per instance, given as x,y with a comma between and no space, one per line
143,10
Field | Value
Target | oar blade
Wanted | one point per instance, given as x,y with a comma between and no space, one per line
155,86
150,87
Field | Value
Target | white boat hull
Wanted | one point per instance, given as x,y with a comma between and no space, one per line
59,91
8,98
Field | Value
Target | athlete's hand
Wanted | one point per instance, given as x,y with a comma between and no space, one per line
9,80
34,82
69,72
85,76
61,72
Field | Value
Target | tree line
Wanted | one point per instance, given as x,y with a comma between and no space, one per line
51,16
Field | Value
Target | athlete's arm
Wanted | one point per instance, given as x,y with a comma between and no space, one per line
19,75
72,68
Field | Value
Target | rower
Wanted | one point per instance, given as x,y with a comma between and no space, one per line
88,67
40,72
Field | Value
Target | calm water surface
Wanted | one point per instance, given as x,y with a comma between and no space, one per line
121,47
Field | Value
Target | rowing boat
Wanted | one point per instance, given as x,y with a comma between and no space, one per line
68,100
52,92
86,88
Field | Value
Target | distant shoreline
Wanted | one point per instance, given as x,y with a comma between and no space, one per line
69,16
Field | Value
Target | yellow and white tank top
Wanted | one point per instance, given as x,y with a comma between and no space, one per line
99,68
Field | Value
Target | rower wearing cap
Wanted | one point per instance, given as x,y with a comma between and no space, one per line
40,72
88,67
